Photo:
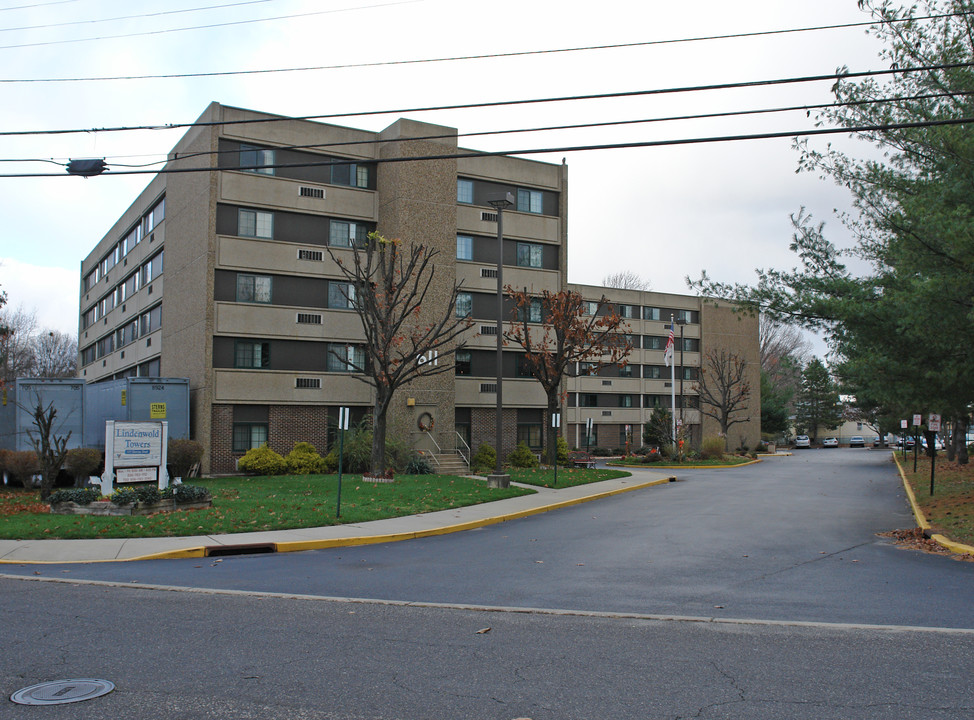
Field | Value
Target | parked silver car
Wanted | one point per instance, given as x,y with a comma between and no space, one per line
802,441
830,442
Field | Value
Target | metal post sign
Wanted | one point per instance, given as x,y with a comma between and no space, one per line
933,423
135,452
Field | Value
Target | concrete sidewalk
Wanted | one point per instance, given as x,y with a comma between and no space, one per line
390,530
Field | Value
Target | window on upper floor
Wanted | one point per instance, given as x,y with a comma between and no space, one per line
651,313
625,401
529,255
255,223
523,368
254,288
255,159
345,358
341,295
465,191
463,362
464,247
533,311
251,354
343,233
464,305
589,307
350,174
529,201
588,400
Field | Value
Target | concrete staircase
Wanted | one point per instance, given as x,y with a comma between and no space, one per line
450,463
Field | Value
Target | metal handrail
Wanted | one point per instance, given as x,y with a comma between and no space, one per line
466,458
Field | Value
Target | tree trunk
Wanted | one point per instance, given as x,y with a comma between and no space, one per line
378,461
960,439
950,444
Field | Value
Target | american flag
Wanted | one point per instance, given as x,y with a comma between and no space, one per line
668,353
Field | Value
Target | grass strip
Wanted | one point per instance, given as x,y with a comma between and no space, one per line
951,508
249,504
567,477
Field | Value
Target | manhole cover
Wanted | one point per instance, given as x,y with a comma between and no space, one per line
58,692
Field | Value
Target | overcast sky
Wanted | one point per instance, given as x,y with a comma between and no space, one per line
664,212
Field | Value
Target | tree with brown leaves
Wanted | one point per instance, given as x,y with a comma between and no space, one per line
723,389
388,288
558,329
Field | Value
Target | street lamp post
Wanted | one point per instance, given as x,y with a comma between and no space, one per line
500,202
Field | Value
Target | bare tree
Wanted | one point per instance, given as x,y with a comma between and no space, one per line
781,346
388,288
50,447
570,330
626,280
19,327
55,354
723,389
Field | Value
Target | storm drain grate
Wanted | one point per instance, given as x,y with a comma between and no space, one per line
59,692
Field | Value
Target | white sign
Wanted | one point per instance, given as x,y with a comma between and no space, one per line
902,424
917,420
556,420
343,413
933,423
137,475
137,445
433,356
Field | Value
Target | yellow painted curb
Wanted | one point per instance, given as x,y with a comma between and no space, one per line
301,545
921,519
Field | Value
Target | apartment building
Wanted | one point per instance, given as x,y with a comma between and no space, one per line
222,271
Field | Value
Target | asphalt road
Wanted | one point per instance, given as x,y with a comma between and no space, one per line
813,615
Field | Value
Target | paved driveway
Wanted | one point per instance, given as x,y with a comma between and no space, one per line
788,539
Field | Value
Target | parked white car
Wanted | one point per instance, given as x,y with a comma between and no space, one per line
830,442
802,441
857,441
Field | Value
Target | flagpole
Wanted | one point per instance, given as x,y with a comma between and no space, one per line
672,382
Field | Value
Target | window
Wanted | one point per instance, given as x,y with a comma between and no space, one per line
689,373
652,372
254,159
586,368
529,255
344,234
465,191
341,295
150,321
650,313
151,269
523,367
350,175
464,247
247,436
254,223
625,401
533,311
345,358
462,364
529,201
626,311
653,342
626,370
253,288
464,304
588,400
686,316
589,307
530,435
690,345
252,355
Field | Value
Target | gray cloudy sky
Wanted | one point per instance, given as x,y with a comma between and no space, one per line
664,212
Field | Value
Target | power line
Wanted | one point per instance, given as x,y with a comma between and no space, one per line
833,77
208,27
132,17
37,5
548,128
457,58
547,150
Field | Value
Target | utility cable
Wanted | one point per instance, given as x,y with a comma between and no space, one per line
522,53
548,150
837,76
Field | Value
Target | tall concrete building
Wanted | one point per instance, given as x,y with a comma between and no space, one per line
220,272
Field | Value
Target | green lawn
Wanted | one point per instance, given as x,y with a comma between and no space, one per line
951,507
247,504
567,477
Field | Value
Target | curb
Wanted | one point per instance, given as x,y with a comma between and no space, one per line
921,519
200,551
689,467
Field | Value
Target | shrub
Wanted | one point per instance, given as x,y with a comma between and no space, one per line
712,448
357,456
561,451
124,496
82,463
4,454
81,496
21,465
304,460
186,493
262,461
418,465
522,457
183,454
330,462
484,460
